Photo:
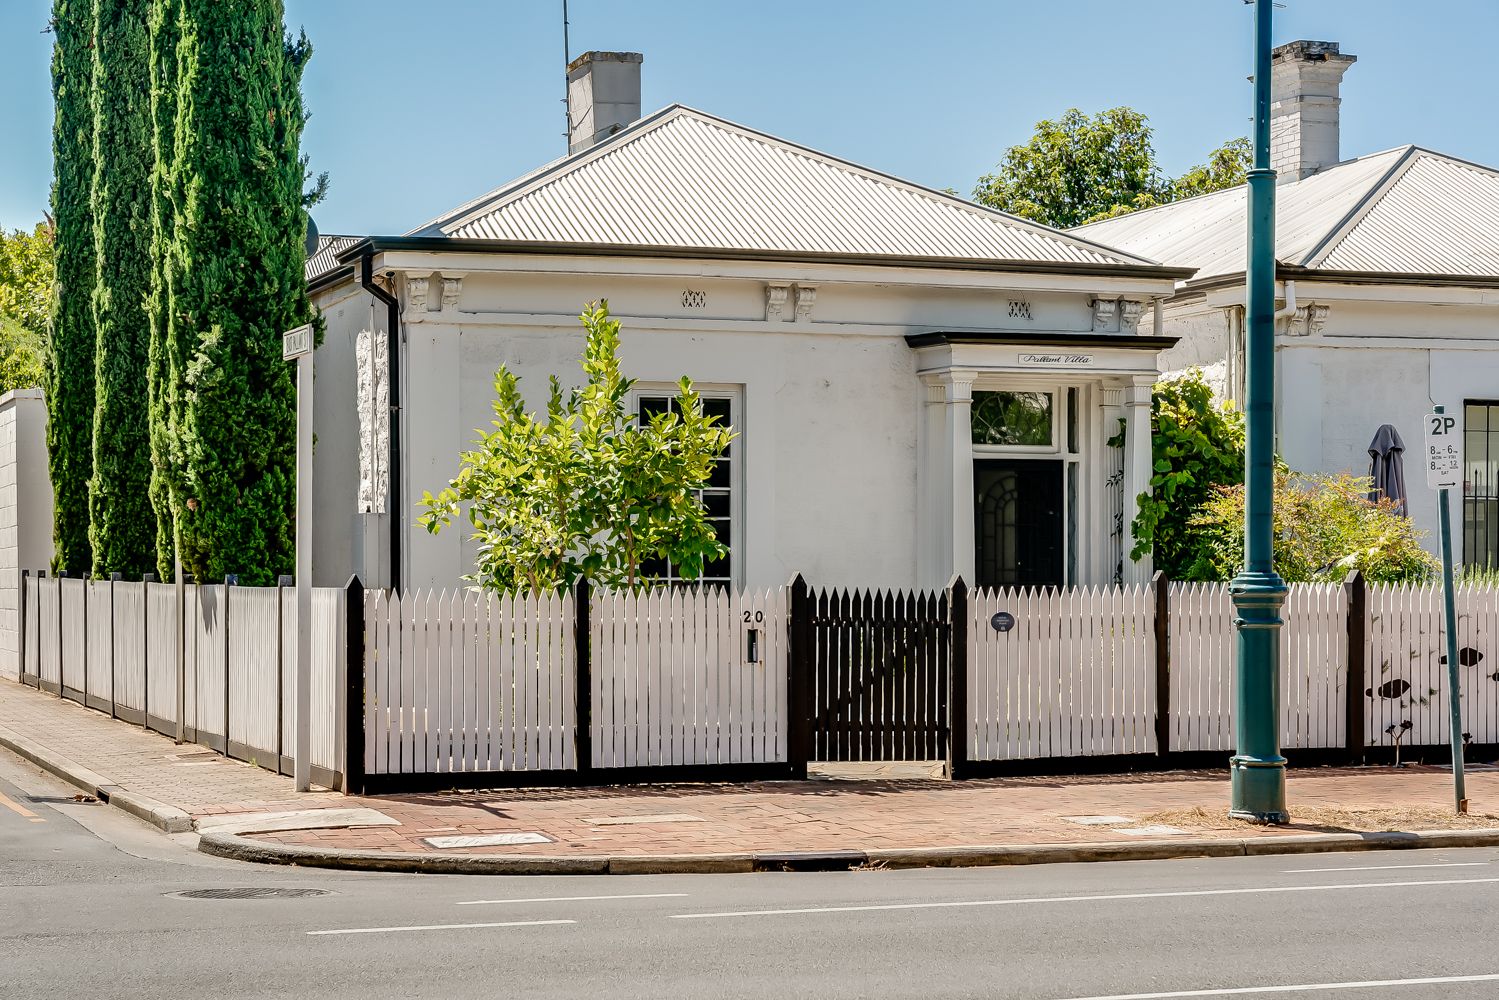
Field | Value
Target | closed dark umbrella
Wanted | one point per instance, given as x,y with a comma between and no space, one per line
1387,467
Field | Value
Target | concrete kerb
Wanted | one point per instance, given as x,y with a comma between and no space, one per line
164,817
244,849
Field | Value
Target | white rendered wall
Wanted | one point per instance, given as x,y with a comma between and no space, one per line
25,508
831,402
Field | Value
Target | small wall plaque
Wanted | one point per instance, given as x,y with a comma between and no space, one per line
1002,621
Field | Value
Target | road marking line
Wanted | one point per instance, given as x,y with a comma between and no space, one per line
439,927
17,808
1304,988
1384,868
1080,899
572,899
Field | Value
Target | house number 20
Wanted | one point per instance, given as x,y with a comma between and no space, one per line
754,616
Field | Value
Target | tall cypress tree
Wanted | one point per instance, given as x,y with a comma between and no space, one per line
235,284
70,338
122,529
164,365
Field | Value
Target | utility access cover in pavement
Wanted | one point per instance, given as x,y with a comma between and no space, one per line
249,892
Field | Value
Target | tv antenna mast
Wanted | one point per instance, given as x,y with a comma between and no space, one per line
567,58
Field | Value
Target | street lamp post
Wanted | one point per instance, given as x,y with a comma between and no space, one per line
1259,770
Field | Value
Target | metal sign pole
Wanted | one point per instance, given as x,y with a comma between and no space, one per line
1443,468
298,344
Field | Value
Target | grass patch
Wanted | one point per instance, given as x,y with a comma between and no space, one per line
1325,819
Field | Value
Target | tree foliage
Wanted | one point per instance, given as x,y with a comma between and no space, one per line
1197,445
1324,527
590,490
165,363
122,528
1079,169
232,282
69,376
25,300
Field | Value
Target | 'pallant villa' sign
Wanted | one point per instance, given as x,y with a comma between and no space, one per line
1057,360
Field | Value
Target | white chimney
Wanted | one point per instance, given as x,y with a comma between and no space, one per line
1304,81
603,96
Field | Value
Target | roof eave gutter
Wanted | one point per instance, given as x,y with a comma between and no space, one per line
393,362
444,244
1293,272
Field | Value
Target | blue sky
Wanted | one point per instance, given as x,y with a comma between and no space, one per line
419,106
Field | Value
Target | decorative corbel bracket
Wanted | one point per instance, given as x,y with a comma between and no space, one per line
1103,313
806,297
775,300
1129,315
452,289
416,298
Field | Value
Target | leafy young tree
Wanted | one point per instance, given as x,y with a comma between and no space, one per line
233,275
1325,526
69,356
122,528
589,491
1078,169
1198,447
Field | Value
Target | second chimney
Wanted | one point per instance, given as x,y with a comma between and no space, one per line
603,96
1304,81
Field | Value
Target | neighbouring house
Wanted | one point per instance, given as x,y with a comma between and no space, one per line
922,387
1387,271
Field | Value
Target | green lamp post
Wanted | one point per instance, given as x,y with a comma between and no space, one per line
1258,769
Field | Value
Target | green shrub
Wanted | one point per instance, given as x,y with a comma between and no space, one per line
1324,527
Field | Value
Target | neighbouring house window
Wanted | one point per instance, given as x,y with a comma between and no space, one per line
1012,419
717,496
1480,483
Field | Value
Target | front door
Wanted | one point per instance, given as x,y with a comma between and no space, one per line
1018,522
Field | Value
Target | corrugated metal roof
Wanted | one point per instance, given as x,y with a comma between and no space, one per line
325,260
684,179
1440,216
1208,232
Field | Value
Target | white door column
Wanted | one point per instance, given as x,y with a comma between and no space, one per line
959,387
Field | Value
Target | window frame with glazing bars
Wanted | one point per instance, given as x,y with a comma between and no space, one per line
722,498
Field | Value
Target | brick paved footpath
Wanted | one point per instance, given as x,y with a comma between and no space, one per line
687,819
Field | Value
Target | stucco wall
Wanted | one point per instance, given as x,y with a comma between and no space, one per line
337,535
830,400
25,508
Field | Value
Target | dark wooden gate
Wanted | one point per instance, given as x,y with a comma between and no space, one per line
880,676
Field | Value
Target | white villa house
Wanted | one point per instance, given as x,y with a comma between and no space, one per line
921,387
1388,274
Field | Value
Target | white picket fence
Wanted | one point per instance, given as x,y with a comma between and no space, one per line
676,681
462,681
1407,664
1314,667
1074,677
114,647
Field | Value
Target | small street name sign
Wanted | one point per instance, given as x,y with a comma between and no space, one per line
295,343
1444,452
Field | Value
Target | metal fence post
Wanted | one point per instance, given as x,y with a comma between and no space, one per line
798,677
957,679
583,676
21,635
1162,663
353,686
1358,608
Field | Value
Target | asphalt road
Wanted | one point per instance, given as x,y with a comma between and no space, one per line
86,910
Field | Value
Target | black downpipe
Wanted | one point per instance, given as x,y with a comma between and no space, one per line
393,346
